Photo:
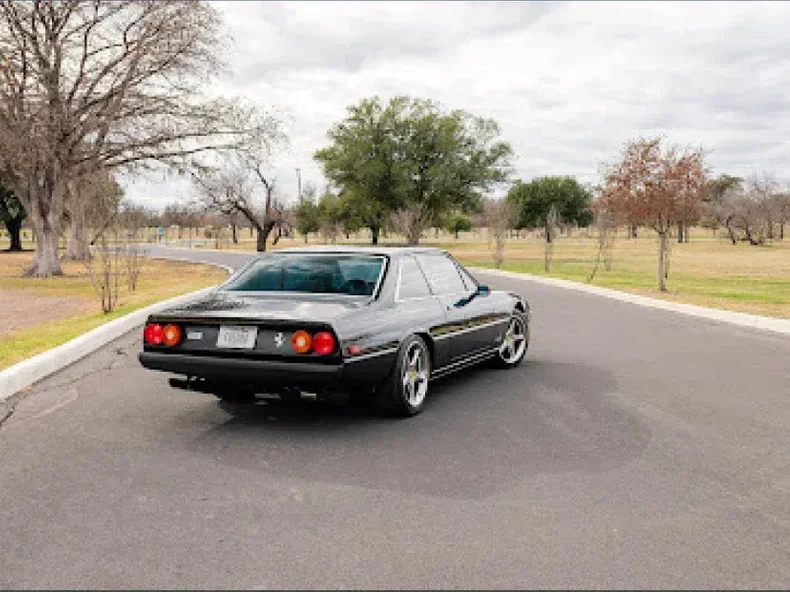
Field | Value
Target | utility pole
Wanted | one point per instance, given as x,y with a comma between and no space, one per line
299,181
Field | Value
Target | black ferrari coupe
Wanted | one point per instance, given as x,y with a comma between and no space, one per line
374,322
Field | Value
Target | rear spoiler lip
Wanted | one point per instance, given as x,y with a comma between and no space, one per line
214,320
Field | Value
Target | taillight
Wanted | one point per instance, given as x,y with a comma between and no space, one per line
301,342
153,334
324,343
171,335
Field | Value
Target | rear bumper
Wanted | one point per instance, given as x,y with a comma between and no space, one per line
269,373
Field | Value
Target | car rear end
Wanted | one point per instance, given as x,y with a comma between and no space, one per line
265,354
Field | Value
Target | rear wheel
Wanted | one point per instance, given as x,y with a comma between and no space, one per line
514,344
406,388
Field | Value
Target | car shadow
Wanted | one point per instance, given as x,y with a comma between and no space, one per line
481,432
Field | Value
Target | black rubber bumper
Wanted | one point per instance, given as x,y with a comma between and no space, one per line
368,372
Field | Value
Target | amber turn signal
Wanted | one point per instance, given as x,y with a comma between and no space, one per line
301,342
171,335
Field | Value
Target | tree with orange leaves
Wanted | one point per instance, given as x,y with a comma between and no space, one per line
655,186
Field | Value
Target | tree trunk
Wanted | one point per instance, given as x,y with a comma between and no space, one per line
46,262
548,252
260,243
681,232
305,237
14,227
77,244
730,231
233,231
77,248
632,231
414,233
782,230
374,234
663,244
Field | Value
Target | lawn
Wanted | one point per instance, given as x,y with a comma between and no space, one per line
707,271
704,272
38,314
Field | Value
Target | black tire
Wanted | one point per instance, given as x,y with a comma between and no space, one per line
395,396
517,347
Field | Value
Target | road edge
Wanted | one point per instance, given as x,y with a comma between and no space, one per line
28,372
741,319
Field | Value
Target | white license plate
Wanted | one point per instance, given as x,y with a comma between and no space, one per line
237,337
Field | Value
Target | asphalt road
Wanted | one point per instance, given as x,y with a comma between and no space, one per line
634,448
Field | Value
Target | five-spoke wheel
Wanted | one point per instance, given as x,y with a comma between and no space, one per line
405,390
514,343
415,374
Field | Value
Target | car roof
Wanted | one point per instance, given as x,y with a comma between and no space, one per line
389,251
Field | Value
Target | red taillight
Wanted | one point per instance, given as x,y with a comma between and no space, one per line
171,335
153,334
324,343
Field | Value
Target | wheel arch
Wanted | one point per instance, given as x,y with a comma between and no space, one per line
426,337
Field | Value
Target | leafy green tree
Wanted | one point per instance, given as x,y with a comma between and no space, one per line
412,157
456,222
536,199
307,213
330,216
361,161
12,214
449,161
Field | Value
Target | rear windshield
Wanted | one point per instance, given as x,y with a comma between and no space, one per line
354,275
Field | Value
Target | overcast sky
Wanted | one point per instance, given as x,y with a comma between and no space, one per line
569,83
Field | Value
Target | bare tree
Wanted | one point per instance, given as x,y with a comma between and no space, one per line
233,189
92,201
405,221
107,84
656,187
500,216
604,222
781,205
751,210
552,220
105,270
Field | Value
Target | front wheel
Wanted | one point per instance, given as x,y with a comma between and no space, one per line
406,387
514,344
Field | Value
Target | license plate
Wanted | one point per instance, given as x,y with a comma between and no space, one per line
237,337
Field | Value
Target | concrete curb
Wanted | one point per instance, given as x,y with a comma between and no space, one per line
30,371
774,325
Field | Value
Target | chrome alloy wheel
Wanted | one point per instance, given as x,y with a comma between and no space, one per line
514,343
415,374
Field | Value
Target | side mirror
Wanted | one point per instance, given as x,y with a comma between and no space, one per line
481,291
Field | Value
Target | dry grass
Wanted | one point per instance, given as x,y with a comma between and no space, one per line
705,272
43,313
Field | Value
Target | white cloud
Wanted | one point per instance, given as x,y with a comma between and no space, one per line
568,83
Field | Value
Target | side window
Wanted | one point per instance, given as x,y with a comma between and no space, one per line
412,281
442,274
470,282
